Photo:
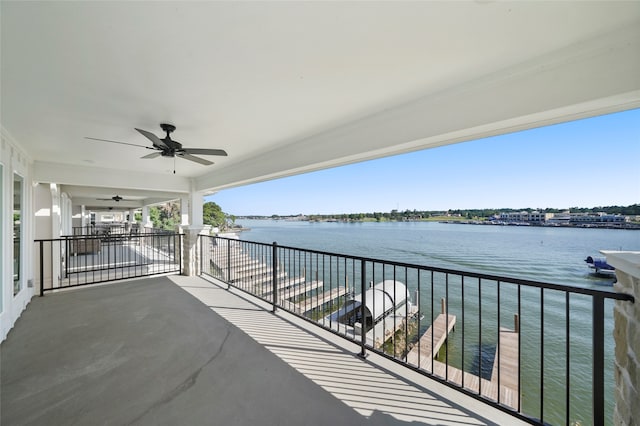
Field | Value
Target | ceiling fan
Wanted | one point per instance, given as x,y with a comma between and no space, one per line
167,147
115,198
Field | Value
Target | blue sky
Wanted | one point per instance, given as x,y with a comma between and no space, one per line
585,163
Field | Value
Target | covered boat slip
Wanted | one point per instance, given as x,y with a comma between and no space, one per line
381,299
380,333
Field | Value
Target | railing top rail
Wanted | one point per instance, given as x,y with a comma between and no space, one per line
511,280
98,237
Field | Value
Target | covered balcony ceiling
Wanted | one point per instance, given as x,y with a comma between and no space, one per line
290,87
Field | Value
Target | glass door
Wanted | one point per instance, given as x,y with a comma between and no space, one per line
17,232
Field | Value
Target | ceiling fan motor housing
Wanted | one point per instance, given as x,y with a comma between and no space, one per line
168,127
174,147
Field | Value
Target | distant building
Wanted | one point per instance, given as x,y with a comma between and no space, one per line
597,218
565,218
525,216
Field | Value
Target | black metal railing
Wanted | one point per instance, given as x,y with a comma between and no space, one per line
102,229
536,350
112,229
82,260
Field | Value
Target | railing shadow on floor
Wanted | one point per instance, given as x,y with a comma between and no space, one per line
365,386
514,336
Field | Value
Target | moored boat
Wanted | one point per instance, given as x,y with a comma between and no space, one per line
600,267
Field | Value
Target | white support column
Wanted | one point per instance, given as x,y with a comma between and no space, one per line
66,216
196,201
184,211
626,334
57,254
84,217
190,247
56,222
146,217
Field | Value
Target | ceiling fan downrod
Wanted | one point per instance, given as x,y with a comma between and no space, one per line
168,128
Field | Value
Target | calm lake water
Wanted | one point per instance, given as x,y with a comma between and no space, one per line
553,255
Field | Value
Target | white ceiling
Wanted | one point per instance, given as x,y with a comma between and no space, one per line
289,87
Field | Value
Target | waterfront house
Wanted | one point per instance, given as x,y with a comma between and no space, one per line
283,88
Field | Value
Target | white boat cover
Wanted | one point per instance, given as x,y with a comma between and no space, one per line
380,299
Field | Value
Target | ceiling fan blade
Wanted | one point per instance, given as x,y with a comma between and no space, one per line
204,151
121,143
195,159
152,155
153,138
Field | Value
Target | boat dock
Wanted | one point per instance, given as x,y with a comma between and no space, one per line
432,340
246,272
299,289
265,286
505,364
314,302
392,323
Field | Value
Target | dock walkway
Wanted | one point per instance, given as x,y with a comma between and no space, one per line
422,354
246,272
314,302
505,366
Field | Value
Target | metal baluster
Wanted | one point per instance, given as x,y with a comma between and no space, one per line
41,243
363,334
446,318
479,336
567,361
598,359
462,303
274,272
542,355
498,348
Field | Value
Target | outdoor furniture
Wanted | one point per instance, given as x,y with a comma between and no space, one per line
84,246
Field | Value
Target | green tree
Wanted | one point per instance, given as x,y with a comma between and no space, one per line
213,215
166,216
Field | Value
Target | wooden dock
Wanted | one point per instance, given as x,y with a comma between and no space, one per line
506,365
264,287
421,355
314,302
257,275
505,361
297,290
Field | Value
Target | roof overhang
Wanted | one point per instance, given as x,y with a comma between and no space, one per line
291,87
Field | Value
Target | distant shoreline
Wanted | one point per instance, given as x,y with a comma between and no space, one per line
629,226
459,221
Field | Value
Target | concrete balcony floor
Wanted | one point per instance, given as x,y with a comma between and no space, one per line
181,350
